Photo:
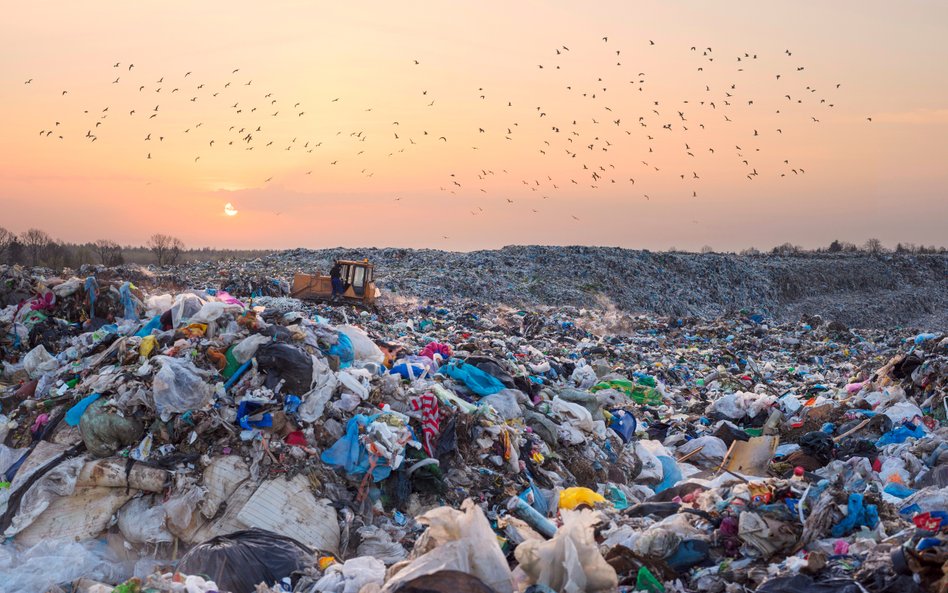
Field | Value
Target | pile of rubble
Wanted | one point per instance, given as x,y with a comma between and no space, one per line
210,440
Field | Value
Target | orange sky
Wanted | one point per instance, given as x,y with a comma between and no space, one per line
476,189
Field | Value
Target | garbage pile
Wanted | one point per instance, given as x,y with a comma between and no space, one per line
203,440
858,289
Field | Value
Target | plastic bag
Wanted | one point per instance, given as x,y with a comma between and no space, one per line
158,304
712,451
50,563
185,306
351,576
363,348
652,471
179,386
377,543
355,382
212,311
462,540
474,378
38,362
287,363
571,561
343,350
246,348
142,520
584,377
239,561
105,432
351,455
571,498
902,411
324,385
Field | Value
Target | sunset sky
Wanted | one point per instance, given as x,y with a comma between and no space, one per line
325,83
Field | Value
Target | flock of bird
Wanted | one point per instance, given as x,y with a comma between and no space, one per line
587,144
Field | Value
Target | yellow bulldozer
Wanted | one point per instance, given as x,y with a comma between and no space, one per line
356,284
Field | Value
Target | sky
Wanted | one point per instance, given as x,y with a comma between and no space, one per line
476,125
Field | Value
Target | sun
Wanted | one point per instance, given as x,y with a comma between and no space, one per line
229,209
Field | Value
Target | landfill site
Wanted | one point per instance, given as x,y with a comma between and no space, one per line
703,423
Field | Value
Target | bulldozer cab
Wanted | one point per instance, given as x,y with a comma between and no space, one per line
358,283
356,276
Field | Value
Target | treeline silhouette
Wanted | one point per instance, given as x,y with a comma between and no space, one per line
34,247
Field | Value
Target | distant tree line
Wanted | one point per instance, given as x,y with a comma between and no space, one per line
35,247
874,246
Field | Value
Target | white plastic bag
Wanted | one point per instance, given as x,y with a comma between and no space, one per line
179,386
158,304
38,362
571,561
246,348
712,451
185,306
902,411
463,541
584,376
212,311
355,380
142,520
652,471
324,385
351,576
363,348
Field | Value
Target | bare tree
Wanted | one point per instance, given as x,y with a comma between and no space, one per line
35,242
159,245
109,252
874,246
6,239
707,249
174,251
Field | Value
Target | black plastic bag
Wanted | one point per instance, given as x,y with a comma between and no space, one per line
445,581
803,584
818,445
239,561
282,361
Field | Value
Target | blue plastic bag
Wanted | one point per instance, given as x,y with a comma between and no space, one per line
75,413
859,514
901,434
343,349
349,454
474,378
671,474
248,409
898,490
128,301
152,325
409,372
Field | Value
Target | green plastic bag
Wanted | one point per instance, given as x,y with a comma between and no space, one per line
646,581
639,393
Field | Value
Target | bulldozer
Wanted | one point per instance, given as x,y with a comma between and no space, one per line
358,281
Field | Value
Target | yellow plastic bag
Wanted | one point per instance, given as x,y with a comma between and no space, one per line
147,346
571,498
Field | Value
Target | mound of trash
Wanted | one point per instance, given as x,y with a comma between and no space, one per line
857,289
205,439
